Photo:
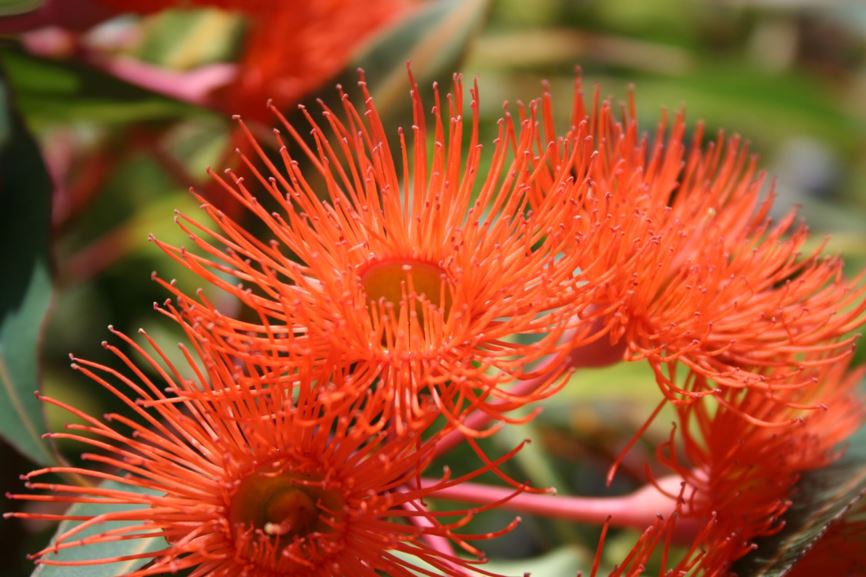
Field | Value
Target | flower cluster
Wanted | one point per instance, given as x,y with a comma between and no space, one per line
267,475
399,278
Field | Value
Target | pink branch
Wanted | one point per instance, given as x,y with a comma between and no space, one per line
193,87
638,510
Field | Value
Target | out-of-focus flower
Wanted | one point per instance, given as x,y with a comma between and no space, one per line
295,47
687,269
411,270
147,6
291,47
279,478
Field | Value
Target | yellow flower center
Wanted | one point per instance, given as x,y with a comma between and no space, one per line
281,505
390,280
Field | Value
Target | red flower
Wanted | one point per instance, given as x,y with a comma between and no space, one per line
686,267
739,476
279,475
419,276
295,47
292,47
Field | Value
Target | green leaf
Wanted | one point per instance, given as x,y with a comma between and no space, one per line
102,550
52,91
15,7
537,465
821,497
25,293
566,560
558,563
767,107
432,40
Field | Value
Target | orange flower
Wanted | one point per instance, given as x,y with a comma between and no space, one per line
280,478
420,277
739,476
687,268
746,480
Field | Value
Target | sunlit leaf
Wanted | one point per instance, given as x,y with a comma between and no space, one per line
25,293
106,550
184,39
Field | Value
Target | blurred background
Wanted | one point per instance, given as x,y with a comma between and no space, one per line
130,108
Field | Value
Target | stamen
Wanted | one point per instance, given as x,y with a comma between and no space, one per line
281,505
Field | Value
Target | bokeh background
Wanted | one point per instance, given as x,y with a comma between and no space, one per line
790,76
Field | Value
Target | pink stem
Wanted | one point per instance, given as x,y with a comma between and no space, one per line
193,87
621,510
638,510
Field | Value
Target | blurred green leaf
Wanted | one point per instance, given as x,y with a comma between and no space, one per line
765,107
25,293
557,563
537,464
105,550
53,91
13,7
433,40
821,497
